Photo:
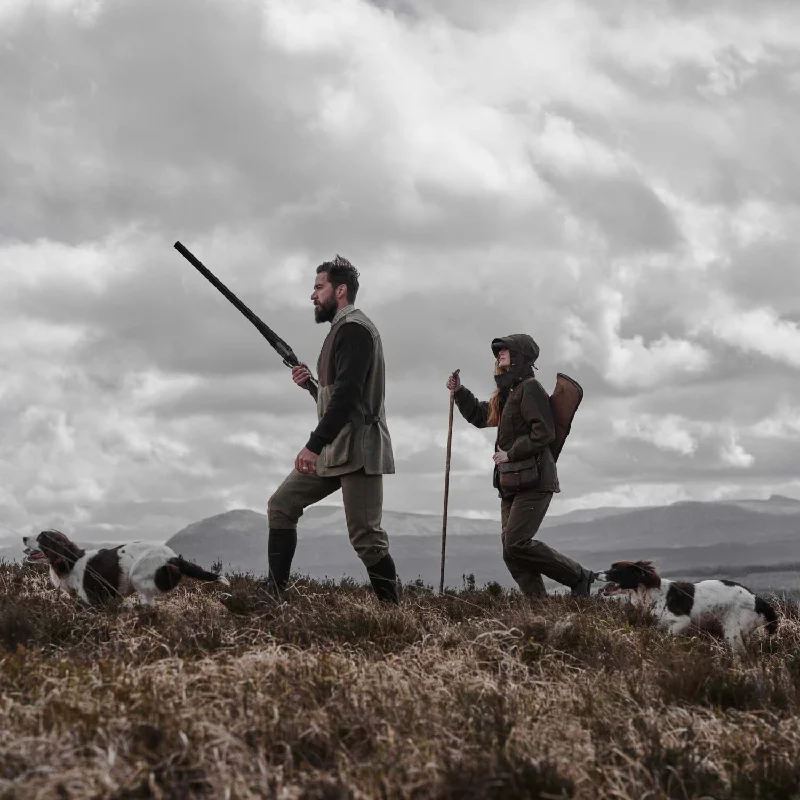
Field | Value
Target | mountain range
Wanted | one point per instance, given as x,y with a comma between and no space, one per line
754,541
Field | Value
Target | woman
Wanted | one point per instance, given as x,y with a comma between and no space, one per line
525,471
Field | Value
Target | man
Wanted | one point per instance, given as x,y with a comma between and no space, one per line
350,448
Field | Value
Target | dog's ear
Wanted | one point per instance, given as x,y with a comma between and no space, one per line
650,577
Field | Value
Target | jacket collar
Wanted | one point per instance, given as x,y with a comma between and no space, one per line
507,380
343,312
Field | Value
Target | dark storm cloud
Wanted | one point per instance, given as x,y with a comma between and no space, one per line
628,212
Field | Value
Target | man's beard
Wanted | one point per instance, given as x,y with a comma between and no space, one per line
325,312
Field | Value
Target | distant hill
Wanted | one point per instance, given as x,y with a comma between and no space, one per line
756,541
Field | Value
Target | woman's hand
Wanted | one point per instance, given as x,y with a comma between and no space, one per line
500,457
454,382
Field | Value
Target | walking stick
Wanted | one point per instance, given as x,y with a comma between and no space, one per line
447,483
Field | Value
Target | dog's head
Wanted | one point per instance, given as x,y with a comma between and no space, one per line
625,577
54,548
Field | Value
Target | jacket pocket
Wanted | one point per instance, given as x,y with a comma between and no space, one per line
338,451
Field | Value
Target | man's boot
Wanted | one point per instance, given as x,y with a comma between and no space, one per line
581,588
281,545
383,578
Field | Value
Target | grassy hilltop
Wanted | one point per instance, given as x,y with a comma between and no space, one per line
477,694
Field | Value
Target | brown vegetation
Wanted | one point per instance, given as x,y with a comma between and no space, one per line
476,694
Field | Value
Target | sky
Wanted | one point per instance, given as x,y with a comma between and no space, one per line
619,180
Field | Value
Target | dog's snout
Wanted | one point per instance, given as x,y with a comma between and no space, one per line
602,577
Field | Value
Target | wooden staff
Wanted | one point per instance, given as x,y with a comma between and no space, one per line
447,482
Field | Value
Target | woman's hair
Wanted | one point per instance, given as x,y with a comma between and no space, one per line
493,420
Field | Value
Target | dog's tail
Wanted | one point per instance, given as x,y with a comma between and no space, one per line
191,570
763,608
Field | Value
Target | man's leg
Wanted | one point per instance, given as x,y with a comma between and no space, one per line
363,508
284,509
520,548
529,582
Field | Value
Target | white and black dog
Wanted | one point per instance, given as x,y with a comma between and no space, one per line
711,604
97,576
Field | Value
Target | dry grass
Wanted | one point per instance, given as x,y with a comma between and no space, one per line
475,695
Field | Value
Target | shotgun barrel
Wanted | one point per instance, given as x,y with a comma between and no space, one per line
281,348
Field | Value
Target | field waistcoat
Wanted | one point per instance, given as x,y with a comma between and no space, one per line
364,440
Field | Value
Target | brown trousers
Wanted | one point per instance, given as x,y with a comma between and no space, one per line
528,559
363,508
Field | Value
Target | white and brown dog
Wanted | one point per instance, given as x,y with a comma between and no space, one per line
713,604
96,576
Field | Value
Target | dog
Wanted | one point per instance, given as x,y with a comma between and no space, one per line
711,604
97,576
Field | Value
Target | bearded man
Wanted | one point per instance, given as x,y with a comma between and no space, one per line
350,449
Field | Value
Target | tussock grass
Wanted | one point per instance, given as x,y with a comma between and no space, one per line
476,694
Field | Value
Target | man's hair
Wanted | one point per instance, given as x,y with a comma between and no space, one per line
341,271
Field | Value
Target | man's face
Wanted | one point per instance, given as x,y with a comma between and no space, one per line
324,298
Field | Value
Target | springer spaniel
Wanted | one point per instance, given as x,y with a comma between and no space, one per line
96,576
678,604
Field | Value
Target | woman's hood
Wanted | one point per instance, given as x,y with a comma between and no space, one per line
521,346
524,352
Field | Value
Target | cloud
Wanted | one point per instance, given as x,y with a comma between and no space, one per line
783,424
755,330
620,181
666,433
628,362
735,455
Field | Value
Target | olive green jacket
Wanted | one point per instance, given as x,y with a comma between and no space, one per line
526,426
